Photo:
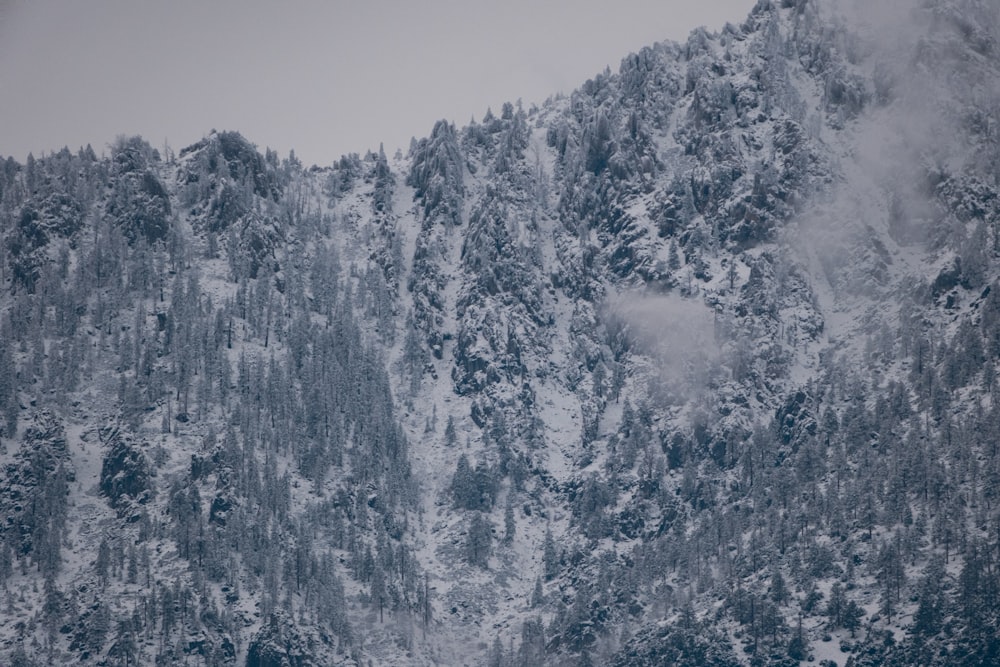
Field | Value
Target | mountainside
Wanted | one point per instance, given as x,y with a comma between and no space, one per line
695,366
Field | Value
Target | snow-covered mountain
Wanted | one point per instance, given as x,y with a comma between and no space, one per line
695,366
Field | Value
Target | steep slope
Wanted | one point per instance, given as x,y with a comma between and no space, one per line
696,365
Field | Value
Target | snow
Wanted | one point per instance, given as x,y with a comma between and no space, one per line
837,261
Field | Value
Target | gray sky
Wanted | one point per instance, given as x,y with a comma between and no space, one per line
322,77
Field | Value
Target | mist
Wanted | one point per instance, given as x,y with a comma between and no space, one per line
676,334
931,114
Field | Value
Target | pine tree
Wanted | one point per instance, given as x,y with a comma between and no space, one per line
450,436
550,558
853,613
509,524
931,606
478,540
495,657
836,606
378,591
779,590
537,594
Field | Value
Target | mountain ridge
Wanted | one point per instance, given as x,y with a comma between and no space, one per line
695,364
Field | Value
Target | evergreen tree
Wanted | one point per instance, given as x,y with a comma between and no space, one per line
930,612
537,594
509,524
478,540
450,436
550,558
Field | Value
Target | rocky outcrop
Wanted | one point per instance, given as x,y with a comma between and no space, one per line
126,473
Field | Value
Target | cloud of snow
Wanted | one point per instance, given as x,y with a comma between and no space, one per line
930,71
676,334
921,60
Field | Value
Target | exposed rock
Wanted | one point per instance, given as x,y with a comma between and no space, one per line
126,473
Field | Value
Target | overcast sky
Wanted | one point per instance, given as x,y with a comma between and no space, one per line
325,77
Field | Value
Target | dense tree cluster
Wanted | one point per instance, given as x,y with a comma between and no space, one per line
120,304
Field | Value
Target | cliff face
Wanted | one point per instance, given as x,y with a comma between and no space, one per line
696,365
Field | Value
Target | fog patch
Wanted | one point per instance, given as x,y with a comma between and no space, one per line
932,115
676,335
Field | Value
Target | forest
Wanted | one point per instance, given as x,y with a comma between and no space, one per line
665,371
